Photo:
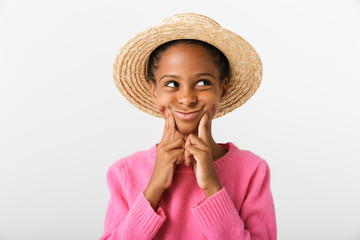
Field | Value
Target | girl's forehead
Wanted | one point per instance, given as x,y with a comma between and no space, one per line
186,61
186,55
186,47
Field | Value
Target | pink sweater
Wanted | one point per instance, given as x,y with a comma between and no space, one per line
243,209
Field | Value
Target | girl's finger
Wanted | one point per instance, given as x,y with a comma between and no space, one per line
204,127
172,127
180,159
188,158
175,154
196,152
169,130
177,143
196,141
187,155
166,126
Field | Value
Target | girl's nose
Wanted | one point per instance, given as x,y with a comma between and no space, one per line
187,97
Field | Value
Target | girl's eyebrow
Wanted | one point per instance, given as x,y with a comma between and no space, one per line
195,76
204,74
170,76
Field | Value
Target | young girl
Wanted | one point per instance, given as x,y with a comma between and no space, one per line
189,70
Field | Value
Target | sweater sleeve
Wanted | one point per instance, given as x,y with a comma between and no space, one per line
138,221
219,218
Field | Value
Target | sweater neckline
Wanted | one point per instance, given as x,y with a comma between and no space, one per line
218,164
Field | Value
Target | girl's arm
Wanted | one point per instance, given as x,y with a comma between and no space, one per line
219,219
123,222
169,153
217,215
140,221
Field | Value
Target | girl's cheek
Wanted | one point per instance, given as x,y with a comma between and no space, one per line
162,104
213,110
162,110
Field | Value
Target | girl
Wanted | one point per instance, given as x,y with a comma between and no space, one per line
189,70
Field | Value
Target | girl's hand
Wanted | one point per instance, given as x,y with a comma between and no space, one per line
198,152
169,153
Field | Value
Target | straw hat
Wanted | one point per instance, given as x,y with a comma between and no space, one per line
129,69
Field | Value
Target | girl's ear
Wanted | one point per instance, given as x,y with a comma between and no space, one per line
153,91
224,89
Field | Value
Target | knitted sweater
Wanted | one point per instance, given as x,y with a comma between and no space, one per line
243,209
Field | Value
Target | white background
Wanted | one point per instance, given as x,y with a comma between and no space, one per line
63,122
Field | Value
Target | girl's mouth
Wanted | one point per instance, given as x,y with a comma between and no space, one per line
186,115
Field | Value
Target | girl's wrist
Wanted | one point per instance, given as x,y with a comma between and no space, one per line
212,190
153,195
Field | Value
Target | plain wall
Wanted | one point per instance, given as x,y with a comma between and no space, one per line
63,121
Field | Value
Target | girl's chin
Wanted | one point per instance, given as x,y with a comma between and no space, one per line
187,128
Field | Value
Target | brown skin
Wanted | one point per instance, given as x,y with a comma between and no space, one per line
187,80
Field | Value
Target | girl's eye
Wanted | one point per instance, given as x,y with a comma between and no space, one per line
172,84
203,82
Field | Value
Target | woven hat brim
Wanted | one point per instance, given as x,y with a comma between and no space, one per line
129,69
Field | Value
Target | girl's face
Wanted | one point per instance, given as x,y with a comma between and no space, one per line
188,84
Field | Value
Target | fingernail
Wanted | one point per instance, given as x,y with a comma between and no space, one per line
212,108
165,111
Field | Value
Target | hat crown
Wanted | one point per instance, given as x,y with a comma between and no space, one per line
190,18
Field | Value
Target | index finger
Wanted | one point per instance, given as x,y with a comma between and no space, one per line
203,127
166,126
169,130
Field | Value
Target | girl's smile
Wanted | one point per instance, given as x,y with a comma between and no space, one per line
187,83
187,116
